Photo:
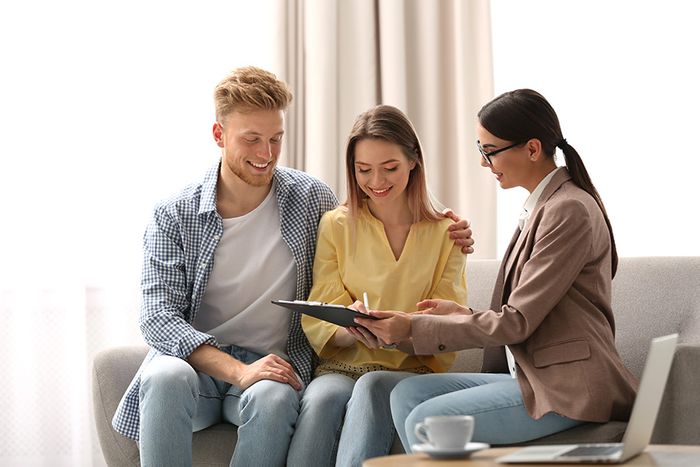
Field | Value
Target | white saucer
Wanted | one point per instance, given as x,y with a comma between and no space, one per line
456,453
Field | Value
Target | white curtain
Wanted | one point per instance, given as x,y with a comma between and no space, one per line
107,107
431,59
50,333
615,98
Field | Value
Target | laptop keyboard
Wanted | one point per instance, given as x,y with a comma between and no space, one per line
588,451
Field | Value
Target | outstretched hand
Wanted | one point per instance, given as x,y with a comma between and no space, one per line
460,231
391,327
438,306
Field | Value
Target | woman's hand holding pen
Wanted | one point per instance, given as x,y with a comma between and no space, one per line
390,328
342,338
361,334
364,336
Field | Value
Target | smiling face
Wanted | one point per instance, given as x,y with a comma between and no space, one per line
251,143
382,171
512,167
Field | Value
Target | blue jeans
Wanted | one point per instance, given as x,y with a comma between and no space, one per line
175,401
323,438
494,400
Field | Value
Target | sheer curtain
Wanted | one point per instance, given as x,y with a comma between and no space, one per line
431,59
105,108
622,78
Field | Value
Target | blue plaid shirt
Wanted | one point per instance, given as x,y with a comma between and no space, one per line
179,246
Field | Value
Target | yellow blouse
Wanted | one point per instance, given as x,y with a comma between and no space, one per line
430,266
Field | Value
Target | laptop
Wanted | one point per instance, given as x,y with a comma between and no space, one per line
639,428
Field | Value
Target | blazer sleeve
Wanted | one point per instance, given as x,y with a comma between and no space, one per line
451,285
563,242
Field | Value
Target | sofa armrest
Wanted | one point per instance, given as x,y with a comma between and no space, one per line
679,416
112,371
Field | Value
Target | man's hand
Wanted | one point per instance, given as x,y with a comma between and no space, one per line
391,327
272,367
460,232
220,365
441,307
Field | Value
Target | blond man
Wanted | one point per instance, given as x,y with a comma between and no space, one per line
214,256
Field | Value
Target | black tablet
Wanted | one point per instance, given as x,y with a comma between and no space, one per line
336,314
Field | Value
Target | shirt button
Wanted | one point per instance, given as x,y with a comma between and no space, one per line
441,347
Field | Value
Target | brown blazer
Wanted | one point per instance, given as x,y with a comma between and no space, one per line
551,306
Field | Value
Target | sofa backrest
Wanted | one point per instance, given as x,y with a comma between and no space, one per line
481,277
651,296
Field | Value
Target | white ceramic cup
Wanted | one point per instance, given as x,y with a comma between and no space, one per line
446,431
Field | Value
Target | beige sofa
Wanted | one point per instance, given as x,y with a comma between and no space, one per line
652,296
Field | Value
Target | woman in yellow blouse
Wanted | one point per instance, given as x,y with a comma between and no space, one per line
389,241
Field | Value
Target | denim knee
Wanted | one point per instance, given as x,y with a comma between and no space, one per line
403,390
327,399
401,398
270,399
372,383
325,403
413,418
169,375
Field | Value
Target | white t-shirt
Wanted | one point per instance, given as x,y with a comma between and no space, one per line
530,203
252,265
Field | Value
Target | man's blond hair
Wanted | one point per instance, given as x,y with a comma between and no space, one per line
250,88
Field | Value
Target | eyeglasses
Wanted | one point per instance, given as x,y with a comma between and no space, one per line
488,155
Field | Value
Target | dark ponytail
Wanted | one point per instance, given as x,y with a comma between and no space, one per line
523,114
579,175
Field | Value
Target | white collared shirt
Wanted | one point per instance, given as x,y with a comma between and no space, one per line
531,200
530,203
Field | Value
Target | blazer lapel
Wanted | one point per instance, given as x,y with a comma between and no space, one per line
519,237
516,245
499,288
494,357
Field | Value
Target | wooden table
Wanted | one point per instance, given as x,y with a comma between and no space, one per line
658,455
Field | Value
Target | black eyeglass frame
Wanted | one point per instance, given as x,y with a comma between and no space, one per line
488,155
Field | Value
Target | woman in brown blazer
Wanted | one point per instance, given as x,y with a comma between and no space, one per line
550,307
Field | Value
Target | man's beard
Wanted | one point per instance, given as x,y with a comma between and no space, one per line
252,180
